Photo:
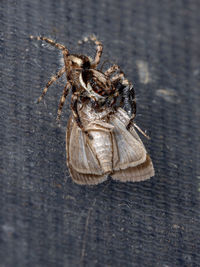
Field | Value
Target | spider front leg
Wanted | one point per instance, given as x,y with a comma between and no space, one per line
99,48
74,107
111,70
62,100
53,79
51,42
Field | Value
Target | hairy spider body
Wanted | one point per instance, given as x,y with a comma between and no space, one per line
88,84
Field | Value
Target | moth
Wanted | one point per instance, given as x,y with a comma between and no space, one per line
101,139
113,150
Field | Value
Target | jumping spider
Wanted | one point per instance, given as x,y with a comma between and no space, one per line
90,84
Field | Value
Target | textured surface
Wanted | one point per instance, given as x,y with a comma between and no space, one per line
45,219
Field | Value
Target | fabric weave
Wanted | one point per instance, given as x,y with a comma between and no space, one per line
46,219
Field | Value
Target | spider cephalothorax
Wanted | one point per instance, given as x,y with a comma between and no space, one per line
89,84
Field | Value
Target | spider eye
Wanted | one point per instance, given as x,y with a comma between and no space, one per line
86,65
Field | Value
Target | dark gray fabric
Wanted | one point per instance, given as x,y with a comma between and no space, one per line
46,219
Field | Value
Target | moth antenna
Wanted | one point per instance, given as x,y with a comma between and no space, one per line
140,130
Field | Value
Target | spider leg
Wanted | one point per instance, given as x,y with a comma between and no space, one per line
62,100
118,78
111,70
114,99
99,48
74,102
52,80
51,42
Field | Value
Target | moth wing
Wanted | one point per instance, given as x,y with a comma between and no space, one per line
138,173
86,179
82,163
130,150
131,161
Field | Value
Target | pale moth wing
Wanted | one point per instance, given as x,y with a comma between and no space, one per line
138,166
138,173
82,163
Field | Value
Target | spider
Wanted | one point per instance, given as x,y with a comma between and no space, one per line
90,84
